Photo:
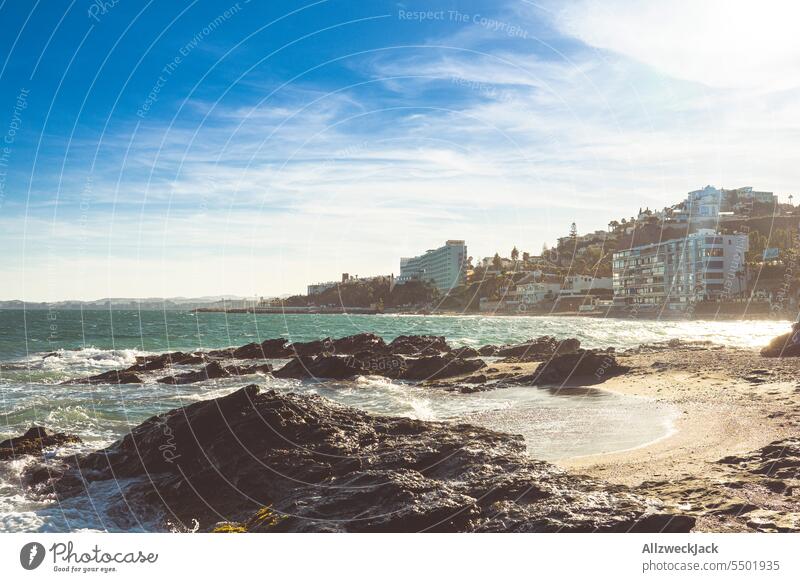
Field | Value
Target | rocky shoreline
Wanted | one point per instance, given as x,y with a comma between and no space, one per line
425,360
265,462
262,461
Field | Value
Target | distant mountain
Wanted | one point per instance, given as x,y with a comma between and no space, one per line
147,304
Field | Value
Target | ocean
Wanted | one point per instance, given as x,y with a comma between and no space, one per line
40,349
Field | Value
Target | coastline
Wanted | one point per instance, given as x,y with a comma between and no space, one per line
727,411
594,314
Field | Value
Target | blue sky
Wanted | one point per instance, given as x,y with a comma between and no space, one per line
201,148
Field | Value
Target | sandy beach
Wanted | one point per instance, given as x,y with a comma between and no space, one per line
733,403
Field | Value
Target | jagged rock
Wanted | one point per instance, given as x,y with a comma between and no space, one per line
161,361
33,442
418,344
437,367
362,342
237,370
269,349
488,350
312,348
110,377
536,349
465,352
589,367
211,371
325,367
388,365
275,462
782,347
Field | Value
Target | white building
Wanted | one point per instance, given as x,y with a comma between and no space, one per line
443,267
583,284
318,288
704,204
533,293
675,273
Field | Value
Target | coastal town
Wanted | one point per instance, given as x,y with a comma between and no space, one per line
716,253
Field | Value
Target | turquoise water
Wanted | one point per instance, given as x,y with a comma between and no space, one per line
25,333
40,349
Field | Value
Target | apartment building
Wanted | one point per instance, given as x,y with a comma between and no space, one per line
678,272
443,267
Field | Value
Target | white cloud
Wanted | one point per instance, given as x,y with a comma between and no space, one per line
718,43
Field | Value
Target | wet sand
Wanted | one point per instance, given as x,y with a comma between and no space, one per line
722,412
733,403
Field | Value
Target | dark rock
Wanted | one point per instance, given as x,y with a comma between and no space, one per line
327,367
161,361
586,366
418,344
488,350
476,379
782,347
465,352
238,370
362,342
110,377
312,348
390,366
212,371
539,348
273,462
271,348
437,367
33,442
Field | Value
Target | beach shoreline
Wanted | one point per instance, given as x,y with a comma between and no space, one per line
733,402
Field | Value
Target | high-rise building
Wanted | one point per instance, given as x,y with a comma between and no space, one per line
675,273
443,267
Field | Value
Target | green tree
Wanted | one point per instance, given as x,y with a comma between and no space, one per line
514,254
497,262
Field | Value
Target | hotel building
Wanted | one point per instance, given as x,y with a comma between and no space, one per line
675,273
443,267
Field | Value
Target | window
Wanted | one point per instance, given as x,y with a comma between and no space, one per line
715,264
714,252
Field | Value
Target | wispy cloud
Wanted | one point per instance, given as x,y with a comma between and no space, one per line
502,141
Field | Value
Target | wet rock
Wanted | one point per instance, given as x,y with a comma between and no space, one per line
238,370
437,367
782,347
275,462
390,366
312,348
362,342
110,377
418,344
536,349
488,350
34,442
161,361
324,367
269,349
465,352
212,371
588,367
